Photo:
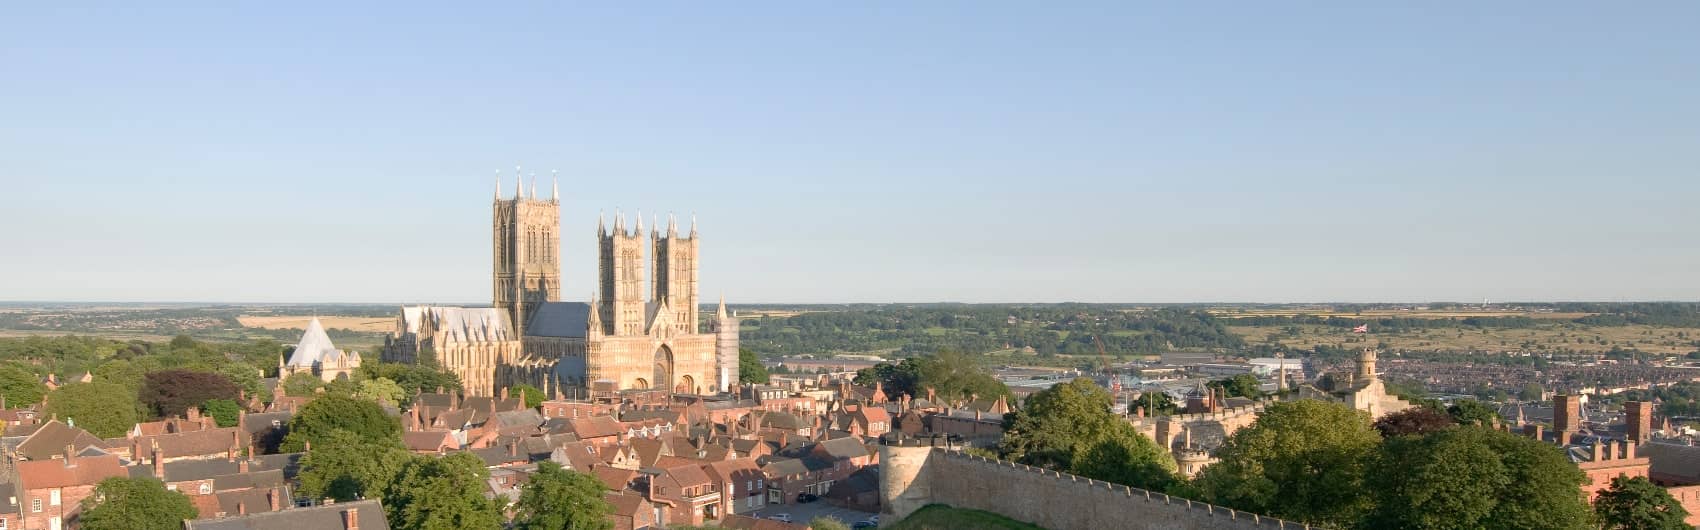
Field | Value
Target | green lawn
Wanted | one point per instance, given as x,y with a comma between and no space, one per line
941,517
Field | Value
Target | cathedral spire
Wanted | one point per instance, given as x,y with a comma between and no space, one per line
672,225
600,227
534,185
519,184
555,185
619,222
722,312
498,184
693,225
640,222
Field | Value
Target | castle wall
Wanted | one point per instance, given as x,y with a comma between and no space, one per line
912,477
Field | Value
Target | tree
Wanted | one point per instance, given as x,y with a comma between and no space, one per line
413,378
322,416
1472,412
301,384
381,391
1070,427
558,499
442,494
223,411
1532,392
1414,420
1638,504
135,504
533,396
170,393
1301,460
750,369
20,387
1242,385
103,409
1125,456
247,378
1474,477
345,467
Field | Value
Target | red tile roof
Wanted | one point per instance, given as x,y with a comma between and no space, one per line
81,471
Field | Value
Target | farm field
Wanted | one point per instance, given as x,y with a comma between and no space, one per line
365,324
1559,336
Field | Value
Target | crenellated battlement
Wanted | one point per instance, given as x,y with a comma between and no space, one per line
925,474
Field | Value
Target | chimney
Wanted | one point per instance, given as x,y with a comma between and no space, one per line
1630,449
194,414
158,463
513,448
70,455
271,496
1533,430
351,519
1600,451
242,466
241,508
454,401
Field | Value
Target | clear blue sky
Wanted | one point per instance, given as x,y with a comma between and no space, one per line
861,151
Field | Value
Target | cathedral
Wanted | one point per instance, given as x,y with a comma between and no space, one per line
617,341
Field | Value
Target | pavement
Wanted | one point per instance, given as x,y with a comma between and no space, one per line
804,512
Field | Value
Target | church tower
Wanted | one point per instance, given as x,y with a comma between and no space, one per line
620,263
675,273
526,268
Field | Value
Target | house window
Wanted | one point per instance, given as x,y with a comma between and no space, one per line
53,497
35,505
206,488
172,487
749,485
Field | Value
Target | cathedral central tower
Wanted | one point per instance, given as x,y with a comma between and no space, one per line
526,267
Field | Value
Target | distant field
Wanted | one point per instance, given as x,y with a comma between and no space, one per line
116,335
1392,313
367,324
1554,337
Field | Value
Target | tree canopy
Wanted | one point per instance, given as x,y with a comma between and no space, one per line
413,378
1638,504
1414,420
1070,427
104,409
20,387
1472,412
1474,477
170,393
329,413
344,467
951,376
120,503
558,499
381,391
532,395
226,412
1301,460
750,369
1242,385
301,384
445,493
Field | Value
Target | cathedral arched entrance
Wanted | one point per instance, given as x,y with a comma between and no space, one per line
663,367
687,385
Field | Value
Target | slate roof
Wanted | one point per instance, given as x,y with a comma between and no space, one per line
369,513
559,319
51,438
1673,460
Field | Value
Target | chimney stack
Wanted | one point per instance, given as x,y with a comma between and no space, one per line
1566,413
70,455
1639,417
351,519
271,496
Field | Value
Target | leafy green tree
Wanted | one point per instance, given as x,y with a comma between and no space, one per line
1474,477
247,378
1070,427
381,391
135,504
442,494
20,387
345,467
1414,420
1638,504
1125,456
104,409
533,396
1301,460
1242,385
329,413
413,378
1531,392
956,376
558,499
173,392
301,385
223,411
750,369
1472,412
121,372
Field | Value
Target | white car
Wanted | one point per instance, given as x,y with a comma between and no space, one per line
781,517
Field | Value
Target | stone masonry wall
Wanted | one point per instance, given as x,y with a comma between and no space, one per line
1057,501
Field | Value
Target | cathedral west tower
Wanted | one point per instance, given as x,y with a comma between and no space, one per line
526,266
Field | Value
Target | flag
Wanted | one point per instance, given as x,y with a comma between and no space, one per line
1361,329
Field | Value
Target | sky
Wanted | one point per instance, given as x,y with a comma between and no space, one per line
859,151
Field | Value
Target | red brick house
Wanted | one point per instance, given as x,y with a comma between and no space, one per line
51,492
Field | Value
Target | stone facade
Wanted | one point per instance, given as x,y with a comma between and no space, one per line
618,341
914,475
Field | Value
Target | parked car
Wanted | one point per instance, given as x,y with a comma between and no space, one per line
865,524
781,517
807,497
